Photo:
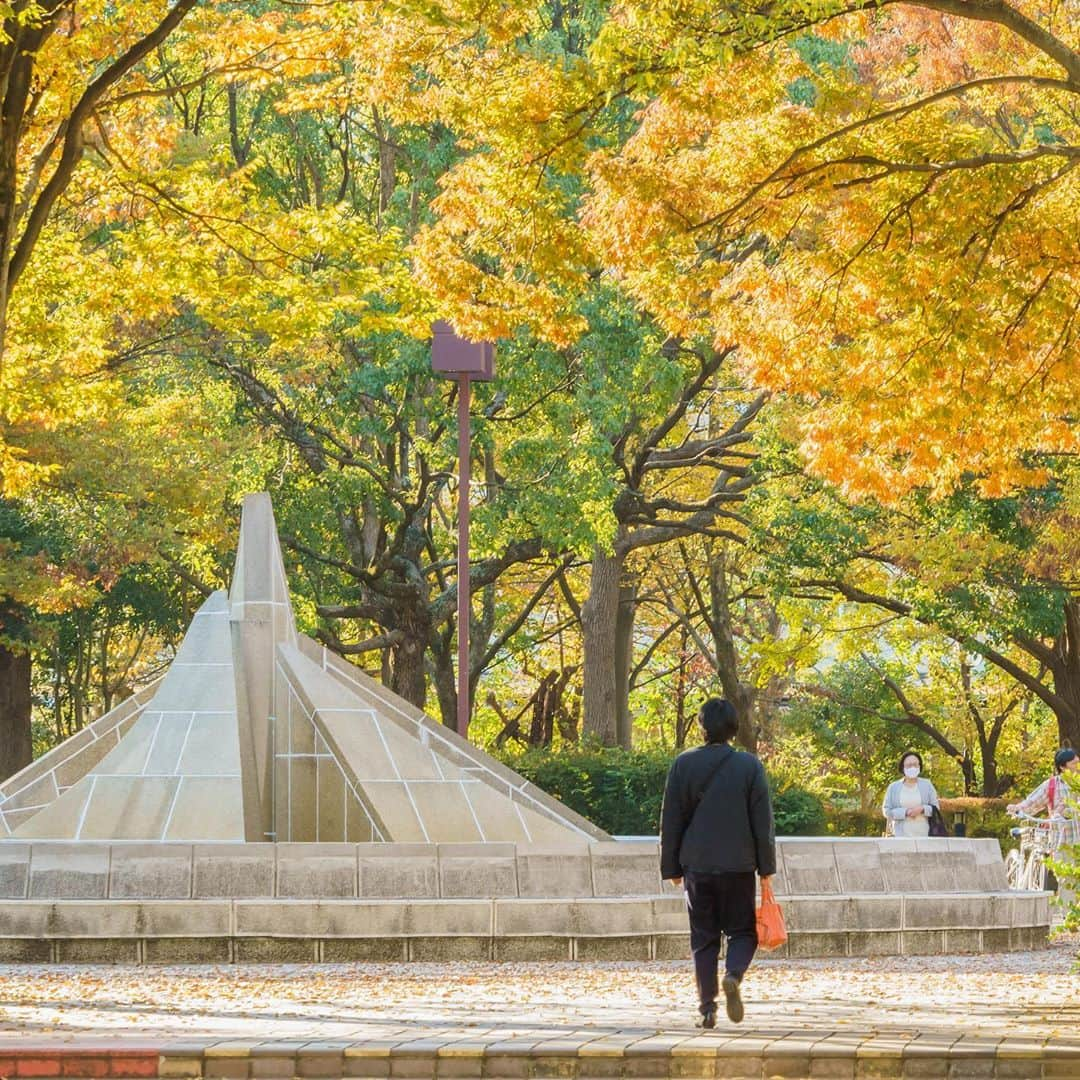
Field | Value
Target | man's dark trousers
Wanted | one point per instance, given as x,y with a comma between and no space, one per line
720,904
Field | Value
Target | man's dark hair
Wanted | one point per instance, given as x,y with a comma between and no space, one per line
1063,757
904,756
718,720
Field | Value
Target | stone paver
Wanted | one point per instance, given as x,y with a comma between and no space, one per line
1011,1015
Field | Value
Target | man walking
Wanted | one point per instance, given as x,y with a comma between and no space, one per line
716,831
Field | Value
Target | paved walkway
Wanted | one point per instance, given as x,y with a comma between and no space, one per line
1015,1015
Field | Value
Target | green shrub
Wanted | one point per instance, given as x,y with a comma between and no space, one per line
622,790
619,790
840,822
798,812
983,817
994,823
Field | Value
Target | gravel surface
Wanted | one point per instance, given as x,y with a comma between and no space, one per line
1033,993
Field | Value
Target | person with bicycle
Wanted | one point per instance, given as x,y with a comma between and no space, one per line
1055,796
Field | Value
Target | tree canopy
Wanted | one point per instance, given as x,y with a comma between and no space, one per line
786,303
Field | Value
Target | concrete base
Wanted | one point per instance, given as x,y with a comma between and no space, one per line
639,928
176,903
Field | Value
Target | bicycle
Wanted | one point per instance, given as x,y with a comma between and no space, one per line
1025,867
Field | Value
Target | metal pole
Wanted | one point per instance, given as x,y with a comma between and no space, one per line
463,604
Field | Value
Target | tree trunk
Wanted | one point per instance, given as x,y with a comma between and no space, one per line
682,721
442,653
740,694
16,748
544,702
993,784
17,60
409,679
599,616
624,659
1066,672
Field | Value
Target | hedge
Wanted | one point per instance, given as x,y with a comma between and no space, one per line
621,790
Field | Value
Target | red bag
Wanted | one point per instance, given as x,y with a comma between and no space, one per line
771,931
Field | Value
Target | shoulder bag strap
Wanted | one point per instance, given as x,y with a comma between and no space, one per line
712,779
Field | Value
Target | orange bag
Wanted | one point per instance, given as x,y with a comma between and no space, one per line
771,931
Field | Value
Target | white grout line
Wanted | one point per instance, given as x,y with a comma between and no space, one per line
438,764
193,712
375,830
172,808
153,743
85,808
524,823
416,811
386,747
183,746
359,709
422,780
168,776
296,693
468,803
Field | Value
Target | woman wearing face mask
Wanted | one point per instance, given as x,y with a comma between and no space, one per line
910,800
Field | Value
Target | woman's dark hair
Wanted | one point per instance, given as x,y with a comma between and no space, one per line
718,720
904,756
1063,757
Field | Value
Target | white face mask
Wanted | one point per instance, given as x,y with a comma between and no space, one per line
911,771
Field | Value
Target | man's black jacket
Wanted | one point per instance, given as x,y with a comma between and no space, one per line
732,829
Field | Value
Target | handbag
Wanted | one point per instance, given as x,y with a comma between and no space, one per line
937,822
771,931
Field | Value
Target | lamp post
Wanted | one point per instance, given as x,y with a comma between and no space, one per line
457,358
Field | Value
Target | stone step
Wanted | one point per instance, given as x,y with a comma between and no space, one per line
629,928
442,948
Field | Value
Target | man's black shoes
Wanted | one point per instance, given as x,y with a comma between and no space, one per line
733,998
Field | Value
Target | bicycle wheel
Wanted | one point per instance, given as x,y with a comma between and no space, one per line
1014,865
1038,873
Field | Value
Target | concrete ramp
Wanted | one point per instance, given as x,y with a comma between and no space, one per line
411,791
175,773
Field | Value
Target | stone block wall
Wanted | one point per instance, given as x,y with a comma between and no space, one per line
806,868
123,871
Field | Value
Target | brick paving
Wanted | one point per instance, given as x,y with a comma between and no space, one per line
1008,1015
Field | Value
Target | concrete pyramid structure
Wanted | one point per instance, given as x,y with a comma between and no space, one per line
257,733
